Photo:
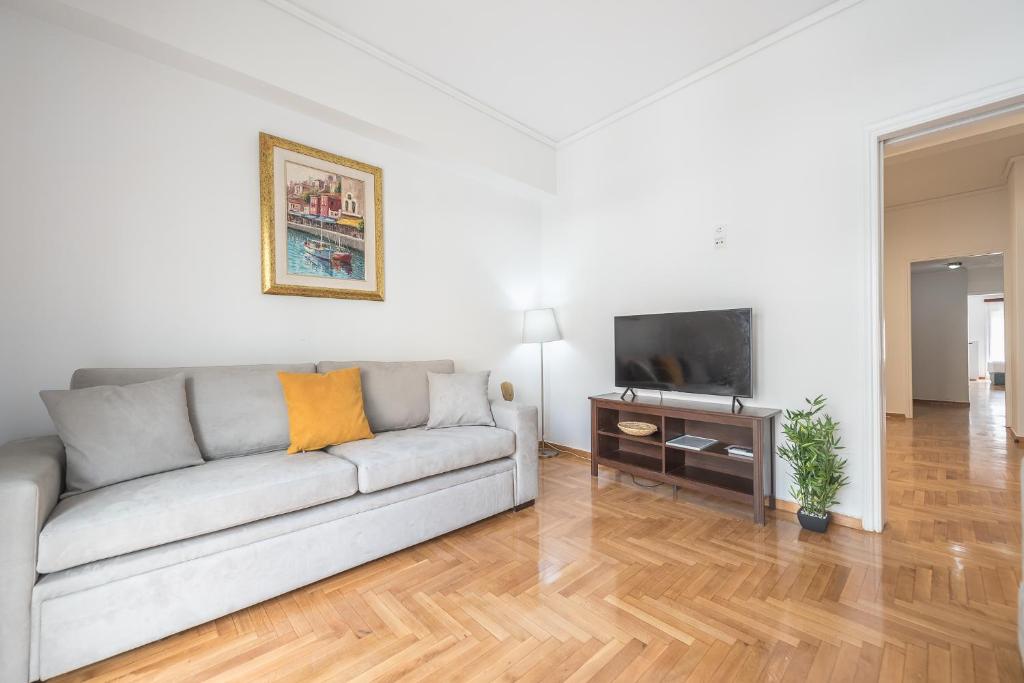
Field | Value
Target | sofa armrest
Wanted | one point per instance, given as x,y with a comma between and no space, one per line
522,420
31,477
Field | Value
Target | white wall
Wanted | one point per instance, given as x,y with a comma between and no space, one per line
957,226
256,47
775,148
1014,294
981,284
987,280
939,334
130,217
977,333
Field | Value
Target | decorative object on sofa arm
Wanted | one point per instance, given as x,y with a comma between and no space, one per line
116,433
459,399
813,453
637,428
508,392
324,410
540,327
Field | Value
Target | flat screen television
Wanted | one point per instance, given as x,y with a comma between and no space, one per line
700,352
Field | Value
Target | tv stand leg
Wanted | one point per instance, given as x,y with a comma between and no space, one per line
629,390
736,402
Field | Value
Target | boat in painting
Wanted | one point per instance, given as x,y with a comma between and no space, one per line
326,250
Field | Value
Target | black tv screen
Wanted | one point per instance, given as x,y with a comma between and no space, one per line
701,352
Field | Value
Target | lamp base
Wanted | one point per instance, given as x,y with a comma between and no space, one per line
546,451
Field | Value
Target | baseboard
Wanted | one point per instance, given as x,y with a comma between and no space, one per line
934,402
1013,435
842,520
1020,620
570,450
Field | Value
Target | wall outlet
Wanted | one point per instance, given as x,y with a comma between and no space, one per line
720,237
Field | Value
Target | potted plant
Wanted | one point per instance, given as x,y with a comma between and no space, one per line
818,471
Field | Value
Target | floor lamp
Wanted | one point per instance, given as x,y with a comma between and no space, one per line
539,327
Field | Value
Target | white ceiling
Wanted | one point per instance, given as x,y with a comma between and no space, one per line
954,160
557,66
969,263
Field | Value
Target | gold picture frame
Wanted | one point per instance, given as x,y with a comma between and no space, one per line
321,223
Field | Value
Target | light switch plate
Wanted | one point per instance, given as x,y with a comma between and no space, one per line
720,237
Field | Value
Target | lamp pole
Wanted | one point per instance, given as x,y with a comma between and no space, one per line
545,451
540,326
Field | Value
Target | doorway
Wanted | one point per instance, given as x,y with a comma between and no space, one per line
956,328
951,230
984,114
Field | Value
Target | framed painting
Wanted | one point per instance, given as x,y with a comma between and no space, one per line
322,223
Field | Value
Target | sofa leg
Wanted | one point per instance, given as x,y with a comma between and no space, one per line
525,505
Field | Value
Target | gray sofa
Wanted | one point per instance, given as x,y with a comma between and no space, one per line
87,576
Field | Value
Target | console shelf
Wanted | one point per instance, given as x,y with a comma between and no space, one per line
711,470
718,451
632,462
652,439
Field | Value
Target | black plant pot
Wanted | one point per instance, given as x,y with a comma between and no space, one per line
812,523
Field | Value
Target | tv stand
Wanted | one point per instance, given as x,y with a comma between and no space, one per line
629,390
711,470
736,402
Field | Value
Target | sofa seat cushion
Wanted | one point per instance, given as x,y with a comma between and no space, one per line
170,506
394,458
142,562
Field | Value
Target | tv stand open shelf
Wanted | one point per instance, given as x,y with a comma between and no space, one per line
712,470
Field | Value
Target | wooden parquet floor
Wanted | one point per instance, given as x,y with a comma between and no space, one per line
603,581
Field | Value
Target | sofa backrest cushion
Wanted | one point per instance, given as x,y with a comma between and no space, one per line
234,409
395,395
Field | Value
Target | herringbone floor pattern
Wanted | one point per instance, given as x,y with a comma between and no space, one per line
603,581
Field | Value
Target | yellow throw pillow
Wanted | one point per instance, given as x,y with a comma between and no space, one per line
324,410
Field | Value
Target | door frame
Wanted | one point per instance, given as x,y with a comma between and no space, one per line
953,112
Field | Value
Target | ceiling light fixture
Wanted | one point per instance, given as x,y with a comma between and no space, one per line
953,265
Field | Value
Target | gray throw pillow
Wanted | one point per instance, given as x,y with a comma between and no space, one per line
113,434
459,399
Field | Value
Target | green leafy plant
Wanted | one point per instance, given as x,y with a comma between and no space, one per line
813,453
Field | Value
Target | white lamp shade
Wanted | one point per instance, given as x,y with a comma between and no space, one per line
539,325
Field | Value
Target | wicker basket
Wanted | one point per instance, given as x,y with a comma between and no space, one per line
637,428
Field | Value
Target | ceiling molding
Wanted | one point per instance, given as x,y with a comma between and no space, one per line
1009,166
330,29
787,31
713,68
946,197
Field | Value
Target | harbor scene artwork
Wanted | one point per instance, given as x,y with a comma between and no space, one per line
322,226
325,223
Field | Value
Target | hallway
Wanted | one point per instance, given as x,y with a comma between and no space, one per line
954,495
954,476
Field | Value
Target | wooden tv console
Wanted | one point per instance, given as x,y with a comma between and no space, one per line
711,470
